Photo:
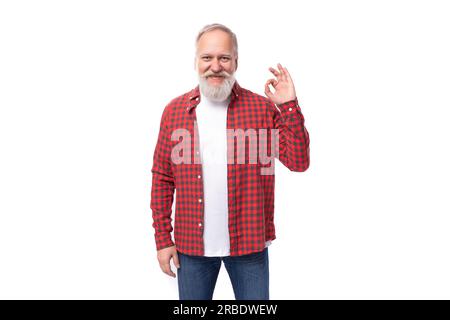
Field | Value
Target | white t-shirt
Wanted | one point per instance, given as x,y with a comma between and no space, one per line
212,131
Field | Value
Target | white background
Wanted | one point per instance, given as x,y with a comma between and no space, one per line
82,88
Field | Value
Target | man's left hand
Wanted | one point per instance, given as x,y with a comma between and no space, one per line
283,85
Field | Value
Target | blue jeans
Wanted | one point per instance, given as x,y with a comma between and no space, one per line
249,275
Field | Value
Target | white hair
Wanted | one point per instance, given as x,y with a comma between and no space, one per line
217,93
218,26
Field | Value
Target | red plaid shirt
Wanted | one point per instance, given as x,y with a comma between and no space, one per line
250,193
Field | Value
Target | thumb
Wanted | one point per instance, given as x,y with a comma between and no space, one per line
267,91
176,261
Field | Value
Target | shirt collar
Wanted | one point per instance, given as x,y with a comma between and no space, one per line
194,95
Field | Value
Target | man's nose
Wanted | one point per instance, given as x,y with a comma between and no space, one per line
215,66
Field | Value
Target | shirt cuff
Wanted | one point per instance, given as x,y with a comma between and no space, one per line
289,106
163,240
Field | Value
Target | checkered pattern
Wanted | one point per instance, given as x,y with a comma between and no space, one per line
250,194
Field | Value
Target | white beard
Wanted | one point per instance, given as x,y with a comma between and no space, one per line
216,93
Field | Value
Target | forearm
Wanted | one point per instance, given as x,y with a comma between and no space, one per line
161,204
293,144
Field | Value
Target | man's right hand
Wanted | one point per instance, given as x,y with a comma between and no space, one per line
164,256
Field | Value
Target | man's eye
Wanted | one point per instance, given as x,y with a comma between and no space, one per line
225,58
206,58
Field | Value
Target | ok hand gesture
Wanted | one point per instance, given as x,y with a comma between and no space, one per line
284,86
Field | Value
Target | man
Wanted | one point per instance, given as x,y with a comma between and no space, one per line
224,206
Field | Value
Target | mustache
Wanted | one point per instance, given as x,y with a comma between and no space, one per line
220,74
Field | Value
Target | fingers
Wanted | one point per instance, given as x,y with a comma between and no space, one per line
164,257
273,82
176,261
275,72
282,72
267,88
282,75
165,267
288,76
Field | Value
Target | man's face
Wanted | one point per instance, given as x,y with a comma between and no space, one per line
215,59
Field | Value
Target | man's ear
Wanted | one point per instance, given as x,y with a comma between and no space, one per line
236,64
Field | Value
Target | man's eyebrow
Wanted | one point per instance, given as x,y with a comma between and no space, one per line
220,55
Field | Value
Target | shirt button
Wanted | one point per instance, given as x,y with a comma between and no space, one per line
290,109
199,200
199,176
200,224
197,152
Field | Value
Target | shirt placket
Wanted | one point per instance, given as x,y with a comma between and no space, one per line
197,172
231,181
